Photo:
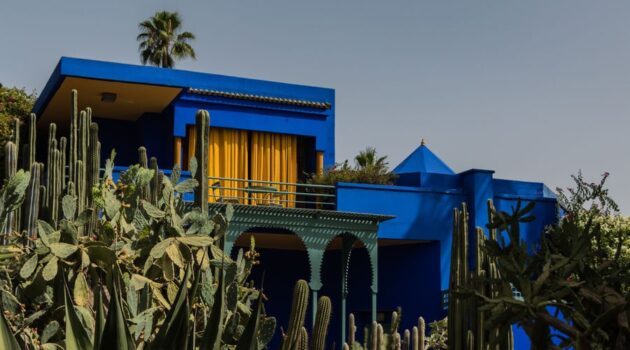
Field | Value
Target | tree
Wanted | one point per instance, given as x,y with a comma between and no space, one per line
15,104
162,42
368,159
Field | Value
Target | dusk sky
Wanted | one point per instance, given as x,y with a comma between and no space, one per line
535,90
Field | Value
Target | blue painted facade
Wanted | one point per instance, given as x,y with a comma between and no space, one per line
414,247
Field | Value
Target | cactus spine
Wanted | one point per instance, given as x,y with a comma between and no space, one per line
201,154
298,314
322,319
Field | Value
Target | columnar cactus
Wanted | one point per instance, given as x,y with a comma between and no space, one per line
201,154
155,182
464,317
322,319
63,161
143,160
303,342
32,202
32,138
421,332
72,152
10,168
298,314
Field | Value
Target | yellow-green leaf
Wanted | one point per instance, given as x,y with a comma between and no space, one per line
171,292
138,282
85,260
29,267
81,291
175,255
158,250
62,250
50,270
167,269
196,240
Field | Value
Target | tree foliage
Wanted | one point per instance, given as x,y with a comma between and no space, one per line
15,103
161,41
369,168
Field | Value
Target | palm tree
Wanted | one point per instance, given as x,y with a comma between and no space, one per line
161,42
368,159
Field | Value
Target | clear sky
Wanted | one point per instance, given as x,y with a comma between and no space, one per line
535,90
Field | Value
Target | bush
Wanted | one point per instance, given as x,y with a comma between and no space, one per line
574,286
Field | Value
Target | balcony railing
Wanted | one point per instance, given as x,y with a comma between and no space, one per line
260,192
271,193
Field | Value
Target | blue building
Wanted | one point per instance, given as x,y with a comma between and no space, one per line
371,248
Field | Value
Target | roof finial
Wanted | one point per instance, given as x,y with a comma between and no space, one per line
422,142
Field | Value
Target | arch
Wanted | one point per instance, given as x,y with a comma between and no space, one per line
236,231
340,247
368,239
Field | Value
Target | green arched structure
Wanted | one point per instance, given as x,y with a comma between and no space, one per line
316,229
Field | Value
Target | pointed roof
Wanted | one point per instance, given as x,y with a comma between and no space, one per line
422,160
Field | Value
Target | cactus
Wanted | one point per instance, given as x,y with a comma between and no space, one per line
143,160
415,339
10,168
406,340
94,162
303,342
298,314
31,203
201,154
352,330
421,333
155,182
322,319
380,337
63,161
374,336
464,317
72,152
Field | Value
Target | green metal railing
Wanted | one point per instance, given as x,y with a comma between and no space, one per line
271,193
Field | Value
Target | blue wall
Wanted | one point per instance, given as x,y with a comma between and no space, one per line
423,205
259,117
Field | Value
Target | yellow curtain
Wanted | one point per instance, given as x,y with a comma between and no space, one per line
228,155
274,158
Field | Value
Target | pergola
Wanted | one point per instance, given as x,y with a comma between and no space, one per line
316,229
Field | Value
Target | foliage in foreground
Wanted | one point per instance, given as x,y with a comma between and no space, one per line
156,269
574,288
90,263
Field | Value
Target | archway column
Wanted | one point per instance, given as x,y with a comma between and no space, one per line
315,258
346,251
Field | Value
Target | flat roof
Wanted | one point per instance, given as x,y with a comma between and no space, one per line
174,81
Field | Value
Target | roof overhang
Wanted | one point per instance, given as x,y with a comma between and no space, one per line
144,89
